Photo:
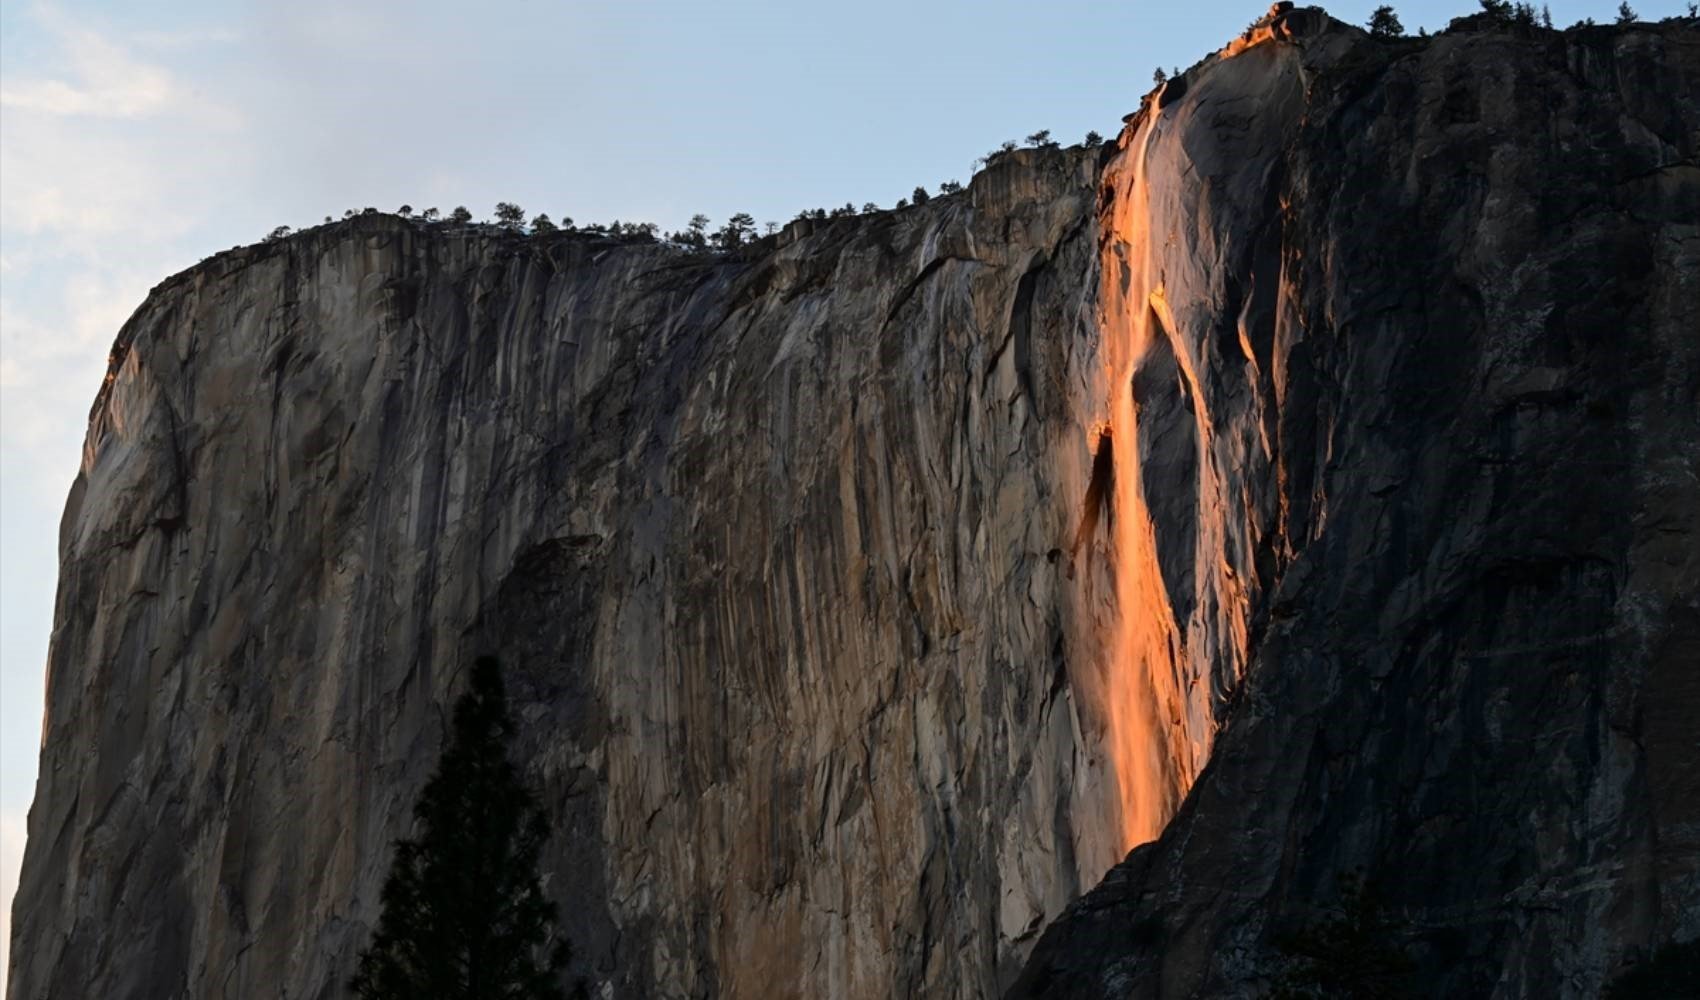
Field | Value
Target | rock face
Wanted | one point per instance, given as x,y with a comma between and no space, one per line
866,595
1433,310
772,549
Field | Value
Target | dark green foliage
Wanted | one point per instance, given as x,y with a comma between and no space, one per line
1352,955
431,214
1004,148
464,916
1496,11
869,208
1042,139
543,224
1626,14
460,215
1546,17
509,215
902,203
1506,14
696,232
1383,23
1672,971
404,211
919,196
1159,76
739,229
1093,140
277,234
950,187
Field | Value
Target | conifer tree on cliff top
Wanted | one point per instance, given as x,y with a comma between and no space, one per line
464,917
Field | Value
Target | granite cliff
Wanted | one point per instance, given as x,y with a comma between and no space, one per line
768,544
1309,481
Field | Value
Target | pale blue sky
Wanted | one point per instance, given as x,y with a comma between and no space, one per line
139,137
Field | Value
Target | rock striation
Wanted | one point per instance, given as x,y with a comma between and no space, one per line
1329,447
770,546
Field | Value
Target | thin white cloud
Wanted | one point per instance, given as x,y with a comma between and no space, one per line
78,172
77,185
96,77
104,80
185,39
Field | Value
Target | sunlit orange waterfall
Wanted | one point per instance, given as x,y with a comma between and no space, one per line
1178,424
1145,716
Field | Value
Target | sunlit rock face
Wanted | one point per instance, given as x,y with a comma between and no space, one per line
1411,334
776,550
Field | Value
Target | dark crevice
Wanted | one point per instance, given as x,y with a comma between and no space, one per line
1019,331
1098,494
927,270
1166,418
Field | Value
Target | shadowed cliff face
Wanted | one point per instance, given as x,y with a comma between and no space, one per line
865,597
1416,389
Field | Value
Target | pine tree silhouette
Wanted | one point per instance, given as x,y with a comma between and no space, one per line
464,917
